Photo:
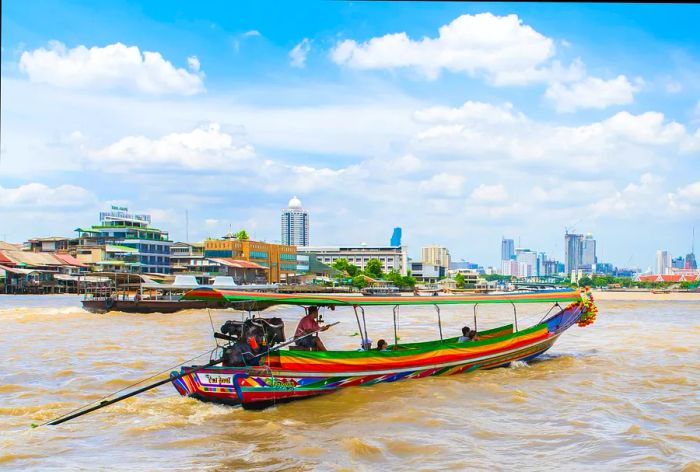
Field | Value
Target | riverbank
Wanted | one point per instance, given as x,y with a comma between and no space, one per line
644,295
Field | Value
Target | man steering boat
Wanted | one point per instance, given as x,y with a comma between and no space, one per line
309,324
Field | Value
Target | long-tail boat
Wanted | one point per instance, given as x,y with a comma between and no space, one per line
262,374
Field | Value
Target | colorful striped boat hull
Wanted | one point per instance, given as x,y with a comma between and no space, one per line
291,375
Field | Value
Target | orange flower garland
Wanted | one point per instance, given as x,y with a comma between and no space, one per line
590,309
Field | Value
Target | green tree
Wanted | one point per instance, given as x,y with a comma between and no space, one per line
459,278
585,281
359,281
490,277
242,234
344,266
401,281
373,268
408,281
394,277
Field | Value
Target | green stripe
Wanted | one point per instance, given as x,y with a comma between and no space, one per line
417,348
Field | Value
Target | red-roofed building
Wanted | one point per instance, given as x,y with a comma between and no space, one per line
667,278
70,260
4,260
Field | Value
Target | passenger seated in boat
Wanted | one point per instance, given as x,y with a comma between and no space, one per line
309,324
465,335
472,336
382,345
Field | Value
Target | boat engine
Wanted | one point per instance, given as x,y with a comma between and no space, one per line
253,337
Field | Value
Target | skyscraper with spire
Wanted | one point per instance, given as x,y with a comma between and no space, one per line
690,262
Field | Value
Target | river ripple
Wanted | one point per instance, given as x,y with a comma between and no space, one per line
621,394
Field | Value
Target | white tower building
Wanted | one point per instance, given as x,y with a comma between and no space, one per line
295,224
663,262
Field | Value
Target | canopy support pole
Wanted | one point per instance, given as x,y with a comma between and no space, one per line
359,326
515,316
549,311
475,305
437,307
362,309
396,336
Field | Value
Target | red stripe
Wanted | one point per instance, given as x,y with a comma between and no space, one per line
332,366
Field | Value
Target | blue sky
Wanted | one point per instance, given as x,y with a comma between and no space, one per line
459,122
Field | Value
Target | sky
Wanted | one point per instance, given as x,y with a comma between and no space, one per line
461,123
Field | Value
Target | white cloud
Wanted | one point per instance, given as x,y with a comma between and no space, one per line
591,92
211,221
207,147
501,48
686,199
35,196
298,55
490,193
252,34
506,137
115,66
636,198
470,112
443,184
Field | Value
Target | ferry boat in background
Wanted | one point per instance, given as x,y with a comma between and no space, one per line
380,291
154,297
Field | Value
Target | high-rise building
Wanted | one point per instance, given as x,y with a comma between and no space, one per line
573,251
436,255
396,237
663,262
295,224
588,255
529,259
678,263
507,249
541,264
690,262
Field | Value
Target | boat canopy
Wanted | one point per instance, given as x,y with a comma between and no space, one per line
260,301
182,282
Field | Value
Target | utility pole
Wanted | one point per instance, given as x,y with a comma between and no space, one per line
187,226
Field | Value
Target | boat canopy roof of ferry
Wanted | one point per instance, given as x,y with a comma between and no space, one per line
189,282
181,282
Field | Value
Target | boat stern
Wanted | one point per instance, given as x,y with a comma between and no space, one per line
208,385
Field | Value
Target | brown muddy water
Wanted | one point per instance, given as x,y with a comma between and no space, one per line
621,394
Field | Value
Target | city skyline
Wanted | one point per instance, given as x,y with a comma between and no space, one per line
592,126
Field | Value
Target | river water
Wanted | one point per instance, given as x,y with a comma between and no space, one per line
621,394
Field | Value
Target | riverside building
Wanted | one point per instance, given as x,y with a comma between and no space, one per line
436,255
295,224
391,257
124,242
279,260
